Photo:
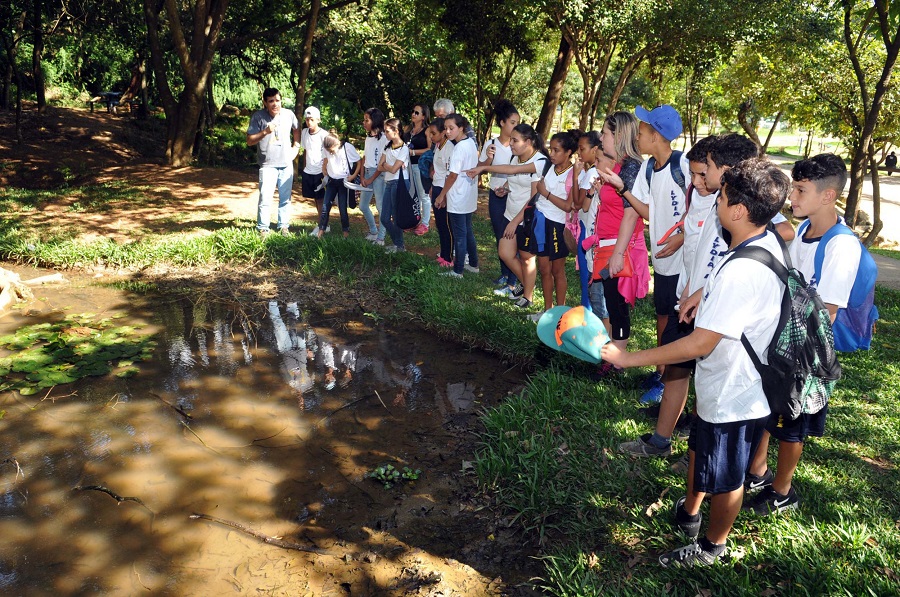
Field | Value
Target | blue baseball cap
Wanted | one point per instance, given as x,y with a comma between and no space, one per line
573,330
665,119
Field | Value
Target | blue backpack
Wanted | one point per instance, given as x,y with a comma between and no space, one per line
674,170
854,324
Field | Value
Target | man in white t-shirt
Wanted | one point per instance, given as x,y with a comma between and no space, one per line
311,140
275,133
818,182
732,409
659,190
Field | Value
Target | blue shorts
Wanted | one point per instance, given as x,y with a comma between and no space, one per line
798,430
722,453
665,296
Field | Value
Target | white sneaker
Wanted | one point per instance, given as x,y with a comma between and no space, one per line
451,274
371,237
314,231
394,249
378,241
469,268
535,316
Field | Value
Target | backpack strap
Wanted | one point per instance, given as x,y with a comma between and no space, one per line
674,170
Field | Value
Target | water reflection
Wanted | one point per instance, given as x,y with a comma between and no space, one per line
288,413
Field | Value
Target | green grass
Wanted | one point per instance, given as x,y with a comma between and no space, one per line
92,197
549,456
892,253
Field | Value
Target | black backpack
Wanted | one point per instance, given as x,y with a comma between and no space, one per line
407,210
803,367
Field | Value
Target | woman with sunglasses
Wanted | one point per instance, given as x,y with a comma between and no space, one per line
418,144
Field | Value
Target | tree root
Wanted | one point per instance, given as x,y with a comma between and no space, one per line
276,541
119,499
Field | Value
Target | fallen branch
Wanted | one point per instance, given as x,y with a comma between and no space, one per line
174,407
276,541
119,499
19,470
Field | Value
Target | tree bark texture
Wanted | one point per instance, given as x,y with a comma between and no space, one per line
555,87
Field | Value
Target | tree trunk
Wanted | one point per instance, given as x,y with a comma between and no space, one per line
765,147
37,69
555,87
746,122
306,59
877,224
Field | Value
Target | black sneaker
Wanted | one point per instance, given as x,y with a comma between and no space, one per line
642,448
523,303
688,557
756,482
517,292
689,525
769,501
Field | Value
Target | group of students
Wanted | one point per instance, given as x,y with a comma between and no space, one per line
590,193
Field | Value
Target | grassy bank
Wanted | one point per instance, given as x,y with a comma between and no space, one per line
603,518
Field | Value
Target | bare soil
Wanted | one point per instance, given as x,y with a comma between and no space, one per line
75,147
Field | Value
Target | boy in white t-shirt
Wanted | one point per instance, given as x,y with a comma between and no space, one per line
732,409
818,182
660,201
311,140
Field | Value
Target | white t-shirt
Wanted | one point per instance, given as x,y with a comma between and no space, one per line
589,218
391,156
441,162
313,149
839,267
462,198
502,156
373,149
701,210
666,208
520,184
556,185
739,298
337,165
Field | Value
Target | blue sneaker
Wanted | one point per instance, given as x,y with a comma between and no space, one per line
651,380
654,394
501,281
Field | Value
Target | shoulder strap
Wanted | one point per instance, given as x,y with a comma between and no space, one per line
547,167
651,164
819,258
675,169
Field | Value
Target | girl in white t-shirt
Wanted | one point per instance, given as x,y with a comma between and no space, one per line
376,141
498,151
587,202
523,173
395,165
337,166
440,167
554,202
460,196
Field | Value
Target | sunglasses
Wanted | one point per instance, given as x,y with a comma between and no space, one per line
416,113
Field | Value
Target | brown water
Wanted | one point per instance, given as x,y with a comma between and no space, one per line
286,417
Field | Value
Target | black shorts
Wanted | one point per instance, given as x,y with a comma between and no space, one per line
722,453
798,430
675,330
665,295
554,245
309,183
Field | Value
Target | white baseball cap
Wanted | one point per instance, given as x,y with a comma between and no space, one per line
313,112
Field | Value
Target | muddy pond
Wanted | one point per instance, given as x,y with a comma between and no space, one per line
265,421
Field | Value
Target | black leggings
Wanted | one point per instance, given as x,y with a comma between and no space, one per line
619,310
335,189
442,221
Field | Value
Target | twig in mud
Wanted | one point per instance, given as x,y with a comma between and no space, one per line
276,541
138,574
55,398
205,445
382,401
18,468
348,405
119,499
174,407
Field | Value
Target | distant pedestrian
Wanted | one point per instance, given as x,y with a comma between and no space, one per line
891,163
275,133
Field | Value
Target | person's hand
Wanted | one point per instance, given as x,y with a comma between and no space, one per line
612,354
579,166
510,231
501,191
688,309
672,244
270,128
474,172
491,150
616,263
441,200
542,188
364,181
611,178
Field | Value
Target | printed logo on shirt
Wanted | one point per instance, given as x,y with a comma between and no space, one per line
676,210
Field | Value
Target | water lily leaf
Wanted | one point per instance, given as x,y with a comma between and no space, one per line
129,372
125,363
28,390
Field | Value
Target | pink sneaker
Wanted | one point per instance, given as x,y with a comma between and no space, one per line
420,230
444,263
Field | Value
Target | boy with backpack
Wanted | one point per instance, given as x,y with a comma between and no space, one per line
831,258
732,408
659,189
